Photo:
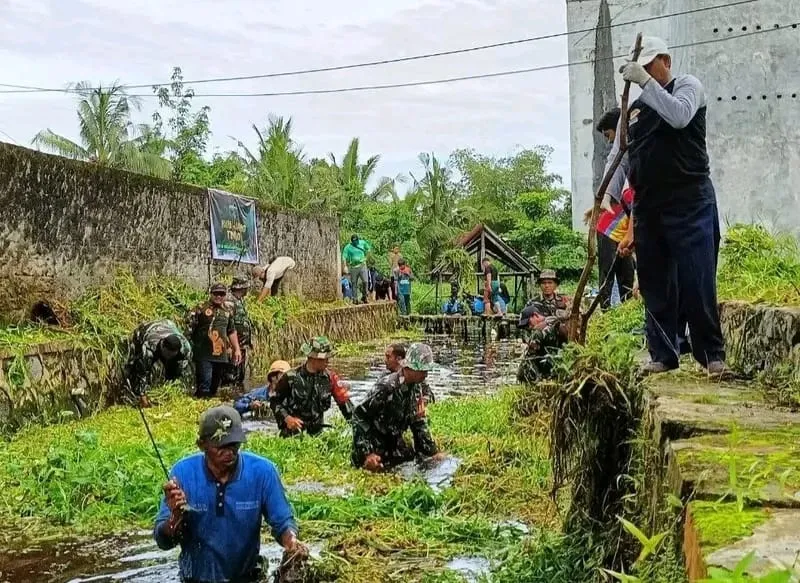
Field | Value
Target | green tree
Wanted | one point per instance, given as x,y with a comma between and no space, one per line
277,171
436,202
540,228
106,132
187,132
492,185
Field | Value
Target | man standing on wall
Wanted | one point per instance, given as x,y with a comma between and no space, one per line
272,275
244,329
354,255
213,336
676,222
612,224
489,275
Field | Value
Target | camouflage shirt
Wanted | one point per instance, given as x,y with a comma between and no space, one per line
144,351
241,321
209,327
553,304
306,396
391,408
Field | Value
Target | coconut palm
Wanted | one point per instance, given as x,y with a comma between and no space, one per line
277,170
106,133
354,176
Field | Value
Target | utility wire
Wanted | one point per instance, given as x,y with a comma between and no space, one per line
31,89
470,77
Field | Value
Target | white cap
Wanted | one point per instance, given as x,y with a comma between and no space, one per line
652,46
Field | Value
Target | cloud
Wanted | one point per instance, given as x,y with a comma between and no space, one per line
52,42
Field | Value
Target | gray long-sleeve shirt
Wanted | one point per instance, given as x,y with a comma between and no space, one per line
677,109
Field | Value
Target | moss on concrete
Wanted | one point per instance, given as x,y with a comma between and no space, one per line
722,524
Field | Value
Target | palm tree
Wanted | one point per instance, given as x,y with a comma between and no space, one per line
354,176
277,170
106,133
437,205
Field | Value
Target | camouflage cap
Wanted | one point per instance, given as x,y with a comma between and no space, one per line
548,274
218,287
419,357
222,426
239,283
318,347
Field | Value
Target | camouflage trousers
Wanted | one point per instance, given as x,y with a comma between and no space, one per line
393,449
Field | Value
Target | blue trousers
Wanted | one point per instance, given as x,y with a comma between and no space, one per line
208,377
677,247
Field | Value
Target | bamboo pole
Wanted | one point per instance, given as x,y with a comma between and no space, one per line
577,323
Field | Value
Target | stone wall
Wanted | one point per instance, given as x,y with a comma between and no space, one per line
761,338
36,385
750,84
66,226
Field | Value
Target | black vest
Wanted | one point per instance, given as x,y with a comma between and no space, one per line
665,162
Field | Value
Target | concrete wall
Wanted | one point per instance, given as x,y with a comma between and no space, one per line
66,226
753,143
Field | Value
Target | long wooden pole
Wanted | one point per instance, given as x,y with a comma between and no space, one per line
577,325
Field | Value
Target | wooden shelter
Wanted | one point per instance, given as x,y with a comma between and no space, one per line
482,242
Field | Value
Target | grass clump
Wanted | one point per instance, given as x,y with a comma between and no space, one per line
759,266
720,524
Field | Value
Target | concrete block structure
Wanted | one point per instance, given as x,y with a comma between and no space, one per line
746,58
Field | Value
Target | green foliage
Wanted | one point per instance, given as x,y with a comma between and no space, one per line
739,573
759,266
107,133
539,228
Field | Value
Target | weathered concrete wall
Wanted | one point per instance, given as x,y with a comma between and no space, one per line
754,105
761,338
66,226
37,384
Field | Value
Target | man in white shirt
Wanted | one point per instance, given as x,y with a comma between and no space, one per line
272,275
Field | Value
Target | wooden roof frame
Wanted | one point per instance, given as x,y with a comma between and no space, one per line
482,242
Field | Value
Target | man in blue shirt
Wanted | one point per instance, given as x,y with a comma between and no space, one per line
214,504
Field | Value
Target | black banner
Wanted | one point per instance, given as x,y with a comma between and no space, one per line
234,231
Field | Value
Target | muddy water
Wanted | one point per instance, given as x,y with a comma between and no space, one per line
134,558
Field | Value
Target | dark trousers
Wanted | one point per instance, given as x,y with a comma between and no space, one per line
405,304
208,377
621,269
677,249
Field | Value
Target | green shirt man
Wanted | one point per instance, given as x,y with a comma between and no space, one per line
354,255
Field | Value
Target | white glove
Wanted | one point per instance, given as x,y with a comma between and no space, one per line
635,73
606,204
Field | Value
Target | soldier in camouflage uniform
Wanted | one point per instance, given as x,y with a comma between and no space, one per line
397,403
546,334
244,330
304,394
550,299
214,341
153,342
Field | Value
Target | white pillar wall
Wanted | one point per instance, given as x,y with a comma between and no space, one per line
753,89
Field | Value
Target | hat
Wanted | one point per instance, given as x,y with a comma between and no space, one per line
528,311
418,357
239,283
319,347
222,426
278,366
219,287
652,46
548,274
353,237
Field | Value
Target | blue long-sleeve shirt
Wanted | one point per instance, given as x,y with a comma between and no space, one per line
220,539
242,404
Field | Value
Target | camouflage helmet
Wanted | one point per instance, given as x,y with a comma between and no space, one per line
239,283
548,274
318,347
419,357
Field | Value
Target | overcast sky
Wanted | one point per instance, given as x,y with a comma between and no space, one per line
54,42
